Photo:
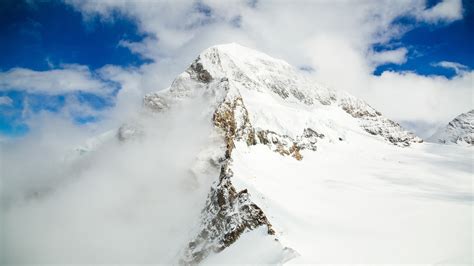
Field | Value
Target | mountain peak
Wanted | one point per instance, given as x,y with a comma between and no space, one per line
276,96
237,51
254,100
460,130
232,46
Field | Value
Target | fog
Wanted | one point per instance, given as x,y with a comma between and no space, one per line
136,201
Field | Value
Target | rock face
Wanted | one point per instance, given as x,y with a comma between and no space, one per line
259,100
460,130
374,123
228,213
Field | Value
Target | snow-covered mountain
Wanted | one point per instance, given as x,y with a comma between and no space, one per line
267,96
277,127
263,165
460,130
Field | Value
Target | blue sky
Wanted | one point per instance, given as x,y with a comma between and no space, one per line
80,38
43,35
429,44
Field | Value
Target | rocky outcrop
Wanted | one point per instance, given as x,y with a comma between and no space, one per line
286,145
389,130
197,72
308,139
282,144
232,118
227,215
374,123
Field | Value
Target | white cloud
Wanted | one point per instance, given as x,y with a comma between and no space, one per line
397,56
445,11
55,203
457,67
432,99
6,101
56,81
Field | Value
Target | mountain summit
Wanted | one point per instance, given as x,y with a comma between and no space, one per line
244,160
265,96
259,101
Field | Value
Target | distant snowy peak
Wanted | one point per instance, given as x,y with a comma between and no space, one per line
460,130
276,97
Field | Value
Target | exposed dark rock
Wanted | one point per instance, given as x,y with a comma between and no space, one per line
226,216
280,90
232,117
359,113
286,145
301,96
282,144
374,123
197,70
308,139
228,213
390,131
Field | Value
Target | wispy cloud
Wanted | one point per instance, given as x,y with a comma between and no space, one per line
397,56
457,67
56,81
5,101
444,11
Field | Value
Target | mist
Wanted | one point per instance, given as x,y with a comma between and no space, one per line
109,201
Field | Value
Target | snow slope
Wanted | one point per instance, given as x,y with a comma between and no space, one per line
244,160
460,130
365,203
